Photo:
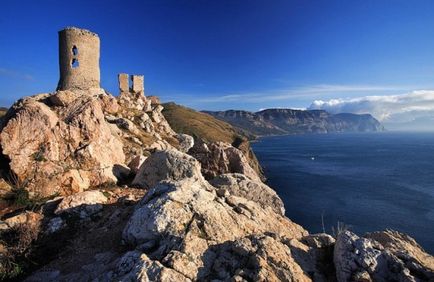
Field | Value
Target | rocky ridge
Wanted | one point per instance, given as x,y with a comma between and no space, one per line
289,121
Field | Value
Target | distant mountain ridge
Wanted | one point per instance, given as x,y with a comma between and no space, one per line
289,121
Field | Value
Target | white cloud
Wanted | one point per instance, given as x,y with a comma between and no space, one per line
298,92
389,108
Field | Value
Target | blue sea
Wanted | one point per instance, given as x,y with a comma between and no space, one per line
368,181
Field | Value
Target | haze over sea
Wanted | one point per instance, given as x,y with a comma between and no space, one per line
369,181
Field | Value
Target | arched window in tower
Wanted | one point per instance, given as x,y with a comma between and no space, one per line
74,62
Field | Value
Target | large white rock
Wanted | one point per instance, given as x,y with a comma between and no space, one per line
365,259
240,185
167,165
179,220
186,142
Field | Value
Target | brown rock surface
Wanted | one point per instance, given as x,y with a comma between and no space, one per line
62,150
218,158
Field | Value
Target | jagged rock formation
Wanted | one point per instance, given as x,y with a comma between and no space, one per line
69,141
288,121
381,256
185,229
56,149
219,158
209,130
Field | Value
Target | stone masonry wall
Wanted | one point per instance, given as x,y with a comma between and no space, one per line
78,59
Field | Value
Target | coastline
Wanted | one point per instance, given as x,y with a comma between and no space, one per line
360,176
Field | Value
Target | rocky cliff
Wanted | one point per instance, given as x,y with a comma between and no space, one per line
288,121
106,190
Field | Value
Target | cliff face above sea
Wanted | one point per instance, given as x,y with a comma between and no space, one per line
289,121
102,188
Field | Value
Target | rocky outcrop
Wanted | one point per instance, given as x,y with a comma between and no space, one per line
394,257
166,165
241,186
232,228
207,129
185,229
70,141
218,158
60,149
182,221
407,250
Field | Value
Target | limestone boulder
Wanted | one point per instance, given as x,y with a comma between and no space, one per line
186,142
406,249
219,158
241,186
254,258
167,165
137,266
65,149
159,145
83,204
365,259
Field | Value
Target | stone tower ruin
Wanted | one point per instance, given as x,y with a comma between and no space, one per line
78,59
137,81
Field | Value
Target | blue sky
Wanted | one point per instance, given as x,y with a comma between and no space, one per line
217,55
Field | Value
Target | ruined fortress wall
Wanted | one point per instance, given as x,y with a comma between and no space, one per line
78,59
124,85
138,83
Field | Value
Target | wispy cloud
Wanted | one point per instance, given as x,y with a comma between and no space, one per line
389,108
15,74
300,92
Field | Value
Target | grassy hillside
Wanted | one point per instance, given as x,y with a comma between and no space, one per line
209,129
204,126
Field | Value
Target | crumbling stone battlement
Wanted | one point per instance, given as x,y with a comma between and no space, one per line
137,83
80,31
78,59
